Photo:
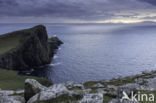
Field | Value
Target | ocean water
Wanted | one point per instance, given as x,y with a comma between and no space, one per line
97,51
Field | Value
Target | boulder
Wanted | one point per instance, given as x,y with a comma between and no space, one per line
52,92
32,87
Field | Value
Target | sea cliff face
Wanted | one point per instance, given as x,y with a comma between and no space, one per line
29,48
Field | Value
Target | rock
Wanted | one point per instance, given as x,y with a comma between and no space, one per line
92,98
6,92
101,90
32,87
86,91
69,83
80,86
151,84
32,49
146,72
12,99
128,89
112,87
118,101
111,92
52,92
139,80
19,91
54,40
98,85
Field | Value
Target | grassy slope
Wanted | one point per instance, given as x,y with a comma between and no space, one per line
12,40
9,80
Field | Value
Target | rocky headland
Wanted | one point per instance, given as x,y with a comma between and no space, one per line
26,49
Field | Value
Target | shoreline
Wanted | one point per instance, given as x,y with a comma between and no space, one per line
145,82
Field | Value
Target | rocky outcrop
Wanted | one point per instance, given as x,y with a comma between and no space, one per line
54,43
43,93
33,49
32,87
109,91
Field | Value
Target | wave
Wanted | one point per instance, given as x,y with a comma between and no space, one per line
55,64
55,57
59,48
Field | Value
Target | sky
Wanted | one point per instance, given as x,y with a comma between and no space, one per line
77,11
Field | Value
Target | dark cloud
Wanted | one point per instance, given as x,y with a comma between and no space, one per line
153,2
7,3
88,10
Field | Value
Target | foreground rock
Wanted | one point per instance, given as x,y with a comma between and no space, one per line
32,87
51,93
94,91
10,96
110,91
27,48
12,99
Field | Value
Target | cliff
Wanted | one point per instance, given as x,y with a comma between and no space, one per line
25,49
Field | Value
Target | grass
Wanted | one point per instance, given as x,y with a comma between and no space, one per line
20,94
7,44
89,84
13,40
126,80
9,80
118,82
74,88
107,98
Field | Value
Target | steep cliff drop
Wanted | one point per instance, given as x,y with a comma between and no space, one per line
28,48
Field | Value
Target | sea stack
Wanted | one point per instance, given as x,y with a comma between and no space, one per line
26,49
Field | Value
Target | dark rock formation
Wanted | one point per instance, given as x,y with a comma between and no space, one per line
54,43
33,49
32,87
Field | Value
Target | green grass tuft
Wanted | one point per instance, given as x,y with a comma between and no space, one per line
9,80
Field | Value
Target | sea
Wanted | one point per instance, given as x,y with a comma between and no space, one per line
96,51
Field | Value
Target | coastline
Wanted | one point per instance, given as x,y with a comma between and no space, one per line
110,90
29,89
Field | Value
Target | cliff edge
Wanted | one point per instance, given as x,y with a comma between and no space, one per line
26,49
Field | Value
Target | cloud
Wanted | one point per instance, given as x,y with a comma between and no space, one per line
153,2
74,10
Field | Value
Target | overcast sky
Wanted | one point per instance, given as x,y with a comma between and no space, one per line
77,11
